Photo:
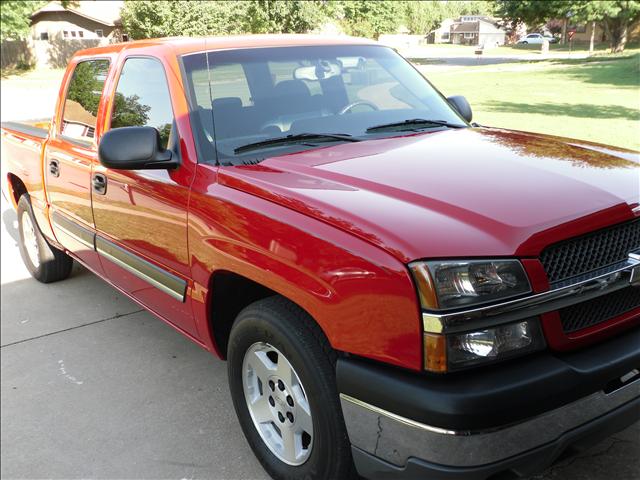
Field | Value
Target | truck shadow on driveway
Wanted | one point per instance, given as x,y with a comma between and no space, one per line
10,220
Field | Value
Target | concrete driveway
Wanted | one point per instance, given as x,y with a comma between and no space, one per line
94,387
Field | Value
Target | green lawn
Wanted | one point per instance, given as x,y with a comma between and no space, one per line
597,100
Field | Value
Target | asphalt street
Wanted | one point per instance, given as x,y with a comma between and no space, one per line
93,387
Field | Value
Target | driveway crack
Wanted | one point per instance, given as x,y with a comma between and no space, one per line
119,315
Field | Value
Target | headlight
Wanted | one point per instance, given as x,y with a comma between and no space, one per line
446,353
462,283
457,284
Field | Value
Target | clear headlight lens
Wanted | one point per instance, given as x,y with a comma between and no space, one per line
446,353
493,344
461,283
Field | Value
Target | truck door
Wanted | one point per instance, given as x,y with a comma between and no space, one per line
68,159
141,215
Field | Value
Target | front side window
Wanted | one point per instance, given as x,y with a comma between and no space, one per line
83,98
240,97
142,98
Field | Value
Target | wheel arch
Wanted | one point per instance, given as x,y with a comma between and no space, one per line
16,189
230,293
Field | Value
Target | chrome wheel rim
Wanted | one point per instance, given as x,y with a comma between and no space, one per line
277,403
30,239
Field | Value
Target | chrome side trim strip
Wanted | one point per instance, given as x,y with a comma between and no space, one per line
169,283
73,229
396,439
613,278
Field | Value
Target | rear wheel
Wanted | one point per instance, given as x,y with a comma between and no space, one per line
45,262
282,380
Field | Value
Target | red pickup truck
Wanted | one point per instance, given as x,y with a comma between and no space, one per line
398,292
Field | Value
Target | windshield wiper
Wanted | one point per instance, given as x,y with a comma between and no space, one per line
412,123
297,138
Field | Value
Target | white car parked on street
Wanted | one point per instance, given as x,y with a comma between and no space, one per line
536,38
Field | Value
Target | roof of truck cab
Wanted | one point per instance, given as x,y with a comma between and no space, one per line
184,45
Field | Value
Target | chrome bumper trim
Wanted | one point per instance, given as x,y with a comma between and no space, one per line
584,288
395,439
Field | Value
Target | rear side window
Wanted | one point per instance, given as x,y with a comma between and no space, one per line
83,98
142,98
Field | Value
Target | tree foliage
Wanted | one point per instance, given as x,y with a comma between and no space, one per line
422,17
129,111
86,84
16,16
365,18
153,19
615,15
277,16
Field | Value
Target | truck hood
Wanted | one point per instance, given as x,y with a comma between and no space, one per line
471,192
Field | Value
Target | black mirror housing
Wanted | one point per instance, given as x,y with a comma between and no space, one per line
135,148
462,106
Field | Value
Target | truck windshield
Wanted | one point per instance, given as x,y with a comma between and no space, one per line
249,96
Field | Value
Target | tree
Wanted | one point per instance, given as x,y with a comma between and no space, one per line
365,18
536,13
615,15
276,16
16,16
422,17
86,84
128,111
153,19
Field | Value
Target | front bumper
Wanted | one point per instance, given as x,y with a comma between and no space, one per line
513,418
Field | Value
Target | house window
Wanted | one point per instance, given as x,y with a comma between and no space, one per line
125,37
44,35
445,36
65,34
73,34
99,33
469,35
81,34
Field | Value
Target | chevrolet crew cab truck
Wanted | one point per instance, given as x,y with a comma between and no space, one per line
398,292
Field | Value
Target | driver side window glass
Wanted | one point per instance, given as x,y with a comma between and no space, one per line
142,98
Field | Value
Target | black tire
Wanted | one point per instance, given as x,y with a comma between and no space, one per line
52,264
525,43
289,329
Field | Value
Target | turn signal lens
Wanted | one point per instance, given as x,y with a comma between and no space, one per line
424,284
435,352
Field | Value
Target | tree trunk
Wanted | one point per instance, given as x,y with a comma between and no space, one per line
617,30
593,37
565,24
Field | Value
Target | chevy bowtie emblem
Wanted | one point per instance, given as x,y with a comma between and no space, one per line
634,259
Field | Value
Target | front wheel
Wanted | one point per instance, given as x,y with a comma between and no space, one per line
282,379
45,262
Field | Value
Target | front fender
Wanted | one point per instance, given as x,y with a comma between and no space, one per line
362,298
